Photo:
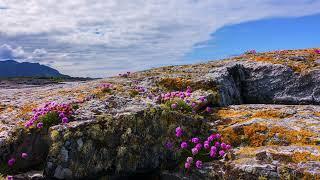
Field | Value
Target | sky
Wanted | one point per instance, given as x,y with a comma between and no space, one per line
99,38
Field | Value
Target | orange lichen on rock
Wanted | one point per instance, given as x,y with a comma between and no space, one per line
256,134
304,156
175,83
270,114
317,114
231,113
291,136
25,110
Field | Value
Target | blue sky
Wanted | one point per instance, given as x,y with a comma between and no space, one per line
100,38
262,35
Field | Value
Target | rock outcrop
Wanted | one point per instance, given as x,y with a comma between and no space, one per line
266,105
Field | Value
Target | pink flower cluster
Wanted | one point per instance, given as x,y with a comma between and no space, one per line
176,94
140,89
125,75
251,52
12,160
106,85
185,96
64,111
198,149
317,51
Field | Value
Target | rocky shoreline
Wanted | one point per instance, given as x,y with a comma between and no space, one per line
266,105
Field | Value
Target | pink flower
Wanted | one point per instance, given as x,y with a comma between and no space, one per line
179,132
11,162
211,138
184,145
199,164
218,136
202,99
317,51
174,105
189,160
9,177
24,155
223,146
206,145
40,125
178,129
169,145
195,140
213,148
217,144
65,120
212,154
199,146
194,151
187,165
221,153
209,109
193,104
228,146
61,115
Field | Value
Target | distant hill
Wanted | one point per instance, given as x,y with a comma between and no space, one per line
11,68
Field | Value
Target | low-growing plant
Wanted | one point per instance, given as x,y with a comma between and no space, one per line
195,150
50,114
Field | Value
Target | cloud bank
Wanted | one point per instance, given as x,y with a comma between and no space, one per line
102,37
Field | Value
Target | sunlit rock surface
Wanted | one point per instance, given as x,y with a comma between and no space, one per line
266,106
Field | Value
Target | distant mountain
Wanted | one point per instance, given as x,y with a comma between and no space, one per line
11,68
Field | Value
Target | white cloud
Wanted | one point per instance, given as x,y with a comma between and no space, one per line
127,34
8,52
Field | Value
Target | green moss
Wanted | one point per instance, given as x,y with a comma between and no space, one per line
54,135
50,119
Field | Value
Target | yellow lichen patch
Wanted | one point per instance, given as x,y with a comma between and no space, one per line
25,110
231,113
175,83
304,156
229,135
317,114
255,134
292,136
270,114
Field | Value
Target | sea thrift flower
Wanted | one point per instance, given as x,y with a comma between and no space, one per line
179,132
199,164
174,105
218,136
221,153
194,151
187,165
169,145
193,104
206,144
209,109
11,162
317,51
223,146
199,146
202,99
40,125
9,177
212,154
195,140
24,155
217,144
184,145
213,148
228,146
65,120
189,160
